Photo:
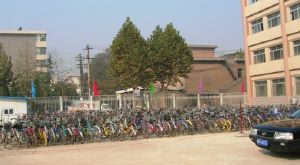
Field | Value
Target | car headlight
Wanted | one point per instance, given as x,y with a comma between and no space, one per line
283,136
253,131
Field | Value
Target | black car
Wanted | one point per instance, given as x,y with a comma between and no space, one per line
278,136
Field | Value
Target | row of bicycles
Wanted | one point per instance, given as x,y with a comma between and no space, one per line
96,126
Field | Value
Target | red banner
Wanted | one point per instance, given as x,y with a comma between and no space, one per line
95,89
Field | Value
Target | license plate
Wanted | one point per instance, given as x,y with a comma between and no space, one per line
262,142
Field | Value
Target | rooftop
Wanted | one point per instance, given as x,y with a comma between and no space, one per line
208,59
203,46
22,32
72,75
12,98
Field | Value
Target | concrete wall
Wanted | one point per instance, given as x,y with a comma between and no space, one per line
267,67
269,100
259,6
267,35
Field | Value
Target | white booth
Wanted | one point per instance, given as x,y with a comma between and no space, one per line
11,107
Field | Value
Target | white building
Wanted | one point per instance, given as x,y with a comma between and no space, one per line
11,107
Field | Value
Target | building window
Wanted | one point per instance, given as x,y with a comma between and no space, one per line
240,73
6,111
297,84
276,52
42,63
278,87
252,1
261,88
259,56
297,47
274,19
295,11
41,51
257,26
11,111
41,37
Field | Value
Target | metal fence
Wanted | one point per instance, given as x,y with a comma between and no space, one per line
130,101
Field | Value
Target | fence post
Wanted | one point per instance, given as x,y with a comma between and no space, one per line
148,101
133,99
91,103
174,100
60,103
198,101
221,99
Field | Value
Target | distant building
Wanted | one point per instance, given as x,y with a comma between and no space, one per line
213,74
73,79
32,44
272,50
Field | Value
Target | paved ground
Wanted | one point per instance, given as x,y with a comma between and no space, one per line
225,148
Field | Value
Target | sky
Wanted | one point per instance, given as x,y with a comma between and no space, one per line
72,24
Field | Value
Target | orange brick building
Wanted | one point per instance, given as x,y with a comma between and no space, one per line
215,74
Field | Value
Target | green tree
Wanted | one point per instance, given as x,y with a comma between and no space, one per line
99,71
64,89
169,56
99,66
25,71
128,63
6,73
21,85
43,84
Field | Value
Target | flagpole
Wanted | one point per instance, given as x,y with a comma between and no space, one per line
241,111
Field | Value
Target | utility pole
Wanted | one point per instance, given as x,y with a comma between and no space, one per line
79,58
88,48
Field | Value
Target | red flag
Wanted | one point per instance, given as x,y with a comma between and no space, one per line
243,87
95,89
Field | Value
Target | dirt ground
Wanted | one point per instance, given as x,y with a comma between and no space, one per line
224,148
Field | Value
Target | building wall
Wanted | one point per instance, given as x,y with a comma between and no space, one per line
16,45
214,76
19,106
288,67
200,53
24,43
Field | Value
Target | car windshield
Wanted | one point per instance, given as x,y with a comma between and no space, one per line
296,114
